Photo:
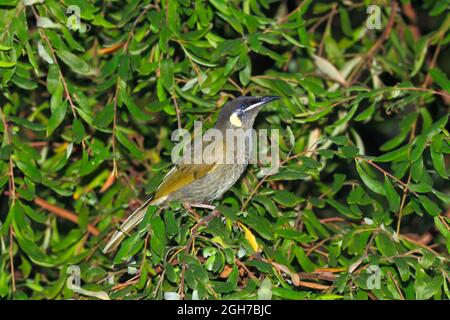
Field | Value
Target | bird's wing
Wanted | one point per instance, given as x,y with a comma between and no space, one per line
180,176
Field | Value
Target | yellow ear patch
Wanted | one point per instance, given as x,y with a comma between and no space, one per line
235,120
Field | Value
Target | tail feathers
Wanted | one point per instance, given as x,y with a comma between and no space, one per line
132,221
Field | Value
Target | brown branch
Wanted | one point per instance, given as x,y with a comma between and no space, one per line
396,285
114,128
11,258
426,83
202,222
286,17
52,52
326,276
332,219
374,49
177,110
12,194
312,285
386,32
133,280
63,213
242,91
328,26
440,93
243,266
404,185
181,291
428,79
408,10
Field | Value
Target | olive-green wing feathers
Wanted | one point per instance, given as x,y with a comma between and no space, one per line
180,176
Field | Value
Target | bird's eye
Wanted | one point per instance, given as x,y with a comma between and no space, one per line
242,106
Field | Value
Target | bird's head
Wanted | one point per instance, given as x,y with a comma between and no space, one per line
241,112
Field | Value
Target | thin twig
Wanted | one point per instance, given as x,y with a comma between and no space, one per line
11,258
202,222
12,196
63,213
61,77
403,184
328,26
177,110
374,49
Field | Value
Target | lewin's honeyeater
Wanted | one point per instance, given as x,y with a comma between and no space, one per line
201,183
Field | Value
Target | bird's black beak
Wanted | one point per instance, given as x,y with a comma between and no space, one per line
260,102
268,99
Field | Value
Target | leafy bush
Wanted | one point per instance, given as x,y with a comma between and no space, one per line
357,210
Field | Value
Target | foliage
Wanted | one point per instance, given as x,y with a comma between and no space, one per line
87,111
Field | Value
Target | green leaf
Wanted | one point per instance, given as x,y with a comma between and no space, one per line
104,117
4,48
418,147
128,247
53,80
366,114
438,163
128,144
394,155
440,78
391,195
315,222
342,209
286,198
290,294
441,227
27,124
385,245
135,111
7,64
5,152
421,48
44,22
338,182
167,74
75,63
431,207
305,262
371,183
349,151
124,67
56,118
78,130
442,196
260,224
405,127
29,169
158,239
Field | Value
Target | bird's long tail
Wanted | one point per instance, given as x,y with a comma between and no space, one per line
132,221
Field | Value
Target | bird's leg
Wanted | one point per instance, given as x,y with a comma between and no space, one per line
188,207
194,230
200,221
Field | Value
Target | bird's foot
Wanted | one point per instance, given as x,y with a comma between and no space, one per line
189,207
201,221
203,206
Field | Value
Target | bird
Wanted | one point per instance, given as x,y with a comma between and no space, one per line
199,184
